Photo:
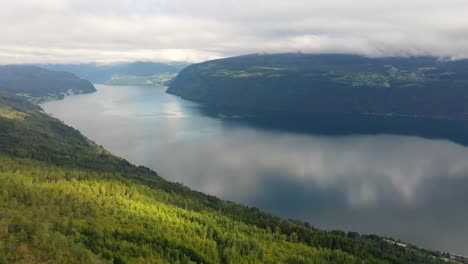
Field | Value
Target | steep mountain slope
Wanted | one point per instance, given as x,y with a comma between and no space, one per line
94,207
35,83
419,86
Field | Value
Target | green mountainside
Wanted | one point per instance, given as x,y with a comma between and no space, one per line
416,86
38,84
64,199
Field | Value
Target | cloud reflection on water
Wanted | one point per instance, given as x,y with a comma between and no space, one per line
404,186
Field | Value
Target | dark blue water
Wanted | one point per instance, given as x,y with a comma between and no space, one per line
402,177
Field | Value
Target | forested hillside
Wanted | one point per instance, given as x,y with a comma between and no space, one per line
64,199
415,86
38,84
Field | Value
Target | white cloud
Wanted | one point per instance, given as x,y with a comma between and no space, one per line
117,30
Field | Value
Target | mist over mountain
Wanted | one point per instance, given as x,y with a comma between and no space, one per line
186,30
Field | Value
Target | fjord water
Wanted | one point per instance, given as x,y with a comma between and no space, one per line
401,185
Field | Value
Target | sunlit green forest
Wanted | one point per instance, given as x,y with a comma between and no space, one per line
64,199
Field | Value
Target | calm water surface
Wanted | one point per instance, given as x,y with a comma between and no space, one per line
403,186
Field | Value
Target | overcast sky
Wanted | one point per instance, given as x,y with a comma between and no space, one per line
195,30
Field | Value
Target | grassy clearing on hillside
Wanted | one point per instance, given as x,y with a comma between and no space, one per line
158,79
10,113
42,99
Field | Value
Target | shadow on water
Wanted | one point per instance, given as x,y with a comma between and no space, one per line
341,124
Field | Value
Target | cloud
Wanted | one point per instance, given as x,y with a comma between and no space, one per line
118,30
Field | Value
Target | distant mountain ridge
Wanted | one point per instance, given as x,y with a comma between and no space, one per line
415,86
120,73
37,83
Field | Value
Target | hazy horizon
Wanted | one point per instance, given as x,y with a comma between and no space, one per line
175,62
107,31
